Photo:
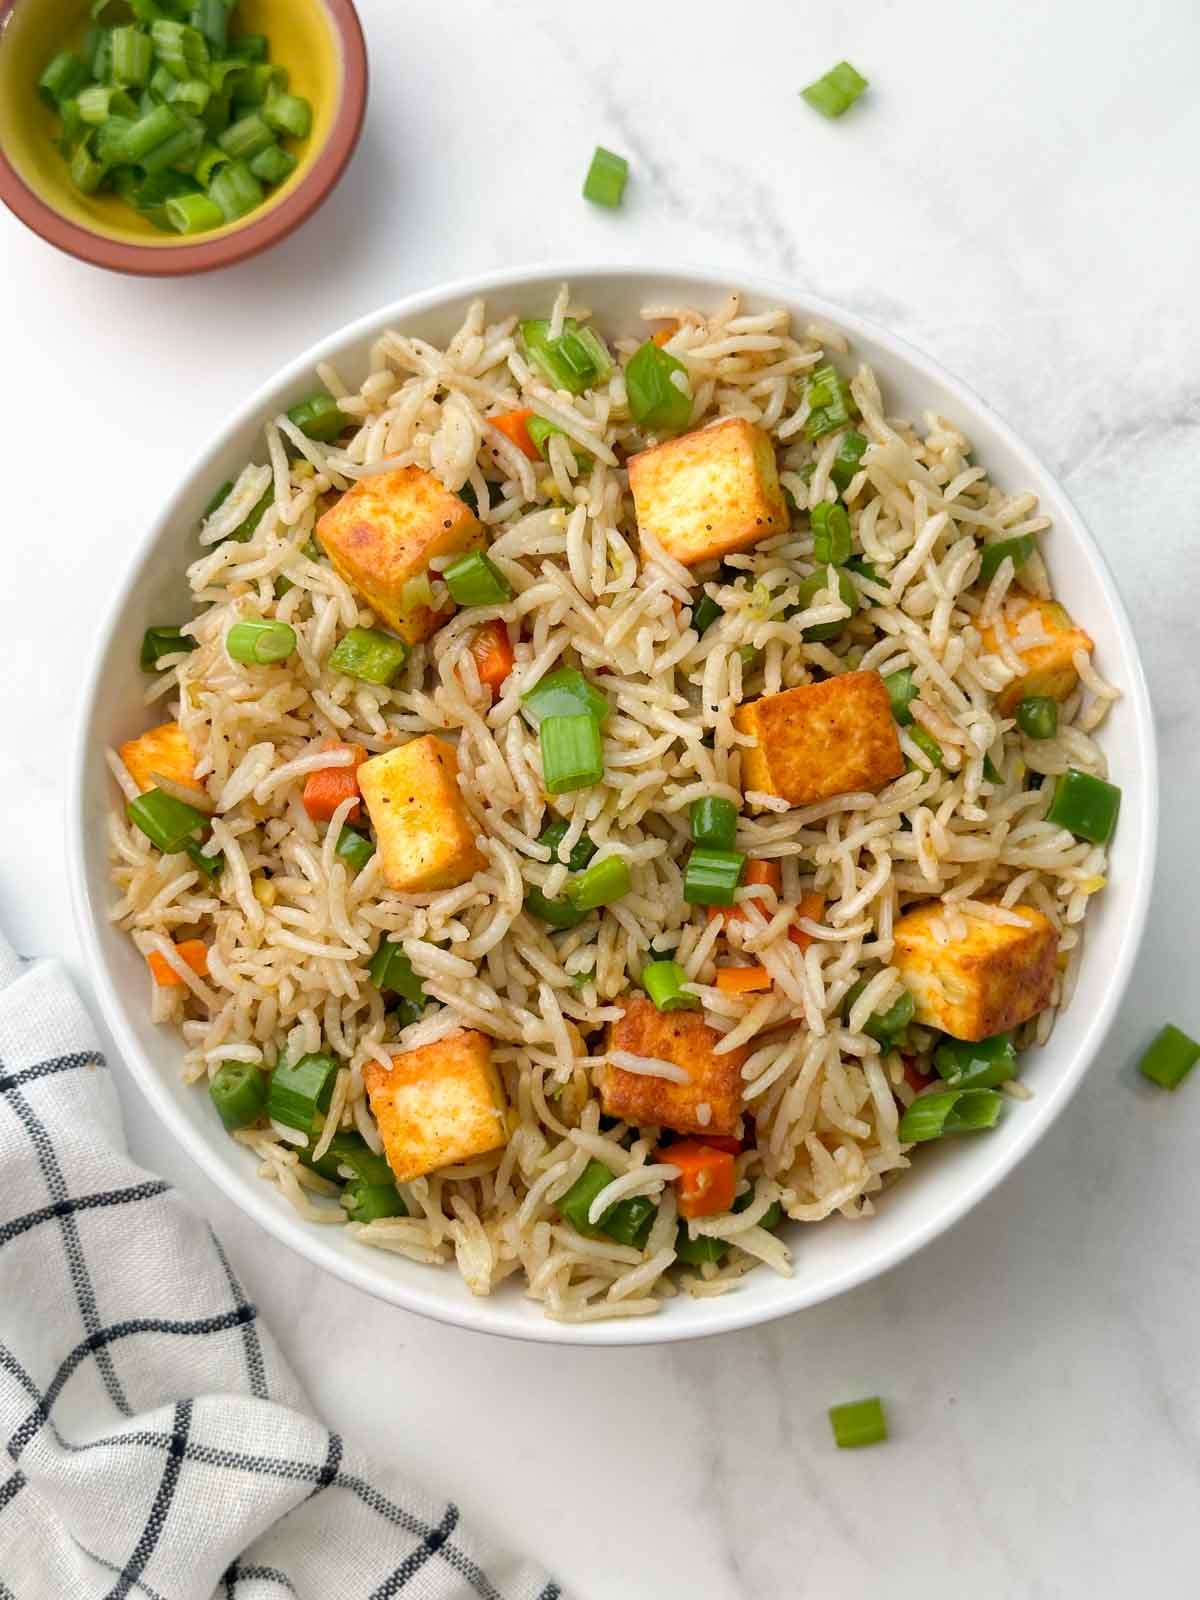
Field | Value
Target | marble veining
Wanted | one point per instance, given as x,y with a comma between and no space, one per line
1015,194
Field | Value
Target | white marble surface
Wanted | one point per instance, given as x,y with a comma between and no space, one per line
1017,195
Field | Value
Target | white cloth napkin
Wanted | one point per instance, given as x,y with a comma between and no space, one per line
156,1442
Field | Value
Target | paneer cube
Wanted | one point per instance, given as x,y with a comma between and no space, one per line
423,829
383,533
1049,667
822,739
991,980
710,492
438,1105
686,1040
163,750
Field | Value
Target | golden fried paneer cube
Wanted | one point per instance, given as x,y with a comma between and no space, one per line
383,533
710,492
821,739
425,833
1049,667
992,979
438,1105
684,1038
163,751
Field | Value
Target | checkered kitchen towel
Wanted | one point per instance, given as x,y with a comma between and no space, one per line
156,1442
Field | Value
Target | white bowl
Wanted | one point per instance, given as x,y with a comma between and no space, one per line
836,1256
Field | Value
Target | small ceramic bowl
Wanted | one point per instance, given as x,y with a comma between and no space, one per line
320,42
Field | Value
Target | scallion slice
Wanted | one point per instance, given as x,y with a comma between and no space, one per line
64,76
563,693
849,456
663,981
558,913
236,190
656,401
298,1094
991,555
836,90
831,533
1170,1058
572,753
831,405
902,691
166,822
816,583
274,166
193,213
714,822
574,361
985,1064
949,1111
857,1423
474,579
582,850
601,884
1037,716
238,1089
289,114
259,644
392,972
246,138
319,417
711,876
705,612
927,745
605,181
354,848
369,654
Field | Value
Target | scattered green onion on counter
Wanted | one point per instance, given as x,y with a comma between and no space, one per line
857,1423
1170,1058
836,90
606,177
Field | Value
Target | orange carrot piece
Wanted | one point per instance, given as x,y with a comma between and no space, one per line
707,1177
663,334
812,906
742,980
193,951
325,789
513,425
493,653
756,871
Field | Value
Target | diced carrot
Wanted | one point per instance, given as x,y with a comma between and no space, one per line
707,1177
812,906
493,653
513,425
663,334
325,789
742,980
193,951
756,871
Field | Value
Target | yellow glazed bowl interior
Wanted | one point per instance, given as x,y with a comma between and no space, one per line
302,40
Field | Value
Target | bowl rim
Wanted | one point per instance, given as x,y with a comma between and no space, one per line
178,260
486,1315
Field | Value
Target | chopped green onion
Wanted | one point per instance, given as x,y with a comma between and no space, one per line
159,642
191,95
699,1251
1170,1058
99,101
259,644
239,1091
176,153
714,822
865,569
257,82
193,213
65,75
831,405
369,654
350,1151
887,1026
246,138
354,848
181,49
582,979
902,691
601,884
991,555
927,744
109,147
816,583
539,430
574,361
474,579
166,822
558,913
319,417
835,91
857,1423
297,1094
831,533
93,41
289,114
656,401
663,981
711,876
273,166
949,1111
582,850
368,1202
984,1064
211,18
564,693
628,1221
236,190
1085,805
218,500
705,612
211,866
250,47
990,771
572,754
1037,716
850,451
148,133
87,174
246,529
605,181
392,972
